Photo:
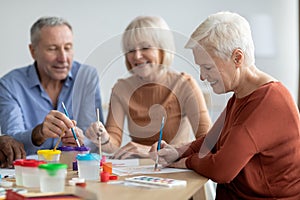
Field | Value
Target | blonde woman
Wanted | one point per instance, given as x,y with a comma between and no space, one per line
153,91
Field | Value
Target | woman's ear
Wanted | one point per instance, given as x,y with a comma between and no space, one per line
237,57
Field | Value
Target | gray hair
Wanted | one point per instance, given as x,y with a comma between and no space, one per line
222,33
153,29
45,22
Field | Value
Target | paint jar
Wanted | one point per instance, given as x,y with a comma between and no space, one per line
30,173
82,150
52,177
88,166
104,176
18,171
49,155
68,154
107,167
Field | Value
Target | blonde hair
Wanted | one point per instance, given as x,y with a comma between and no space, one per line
152,29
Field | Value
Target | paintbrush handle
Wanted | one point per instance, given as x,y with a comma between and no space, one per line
57,143
72,129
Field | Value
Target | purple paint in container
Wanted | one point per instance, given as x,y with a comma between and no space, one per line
69,153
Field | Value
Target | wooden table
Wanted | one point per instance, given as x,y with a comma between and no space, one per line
194,188
107,191
195,183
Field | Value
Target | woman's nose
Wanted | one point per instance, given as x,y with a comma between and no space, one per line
138,54
202,78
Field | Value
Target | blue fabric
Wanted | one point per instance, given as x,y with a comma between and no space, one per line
24,103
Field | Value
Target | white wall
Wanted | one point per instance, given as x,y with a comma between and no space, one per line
98,24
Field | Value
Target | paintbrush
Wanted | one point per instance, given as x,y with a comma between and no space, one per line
159,142
99,137
72,129
57,143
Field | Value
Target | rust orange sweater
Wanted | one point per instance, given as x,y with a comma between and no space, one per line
257,155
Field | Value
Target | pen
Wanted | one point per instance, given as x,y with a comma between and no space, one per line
159,142
74,134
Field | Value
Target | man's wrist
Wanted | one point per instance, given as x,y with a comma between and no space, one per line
37,135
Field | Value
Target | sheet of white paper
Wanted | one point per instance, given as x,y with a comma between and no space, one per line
33,156
144,169
123,163
7,173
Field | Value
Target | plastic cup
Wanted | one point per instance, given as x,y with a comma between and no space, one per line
52,177
82,150
50,156
88,166
68,154
30,173
104,176
107,167
18,171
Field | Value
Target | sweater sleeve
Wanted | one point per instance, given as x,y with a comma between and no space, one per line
193,148
115,119
228,161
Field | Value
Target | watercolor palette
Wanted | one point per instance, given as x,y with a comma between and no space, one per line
166,182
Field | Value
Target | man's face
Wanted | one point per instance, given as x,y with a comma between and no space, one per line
54,52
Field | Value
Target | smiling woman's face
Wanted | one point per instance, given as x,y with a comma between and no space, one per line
145,59
218,72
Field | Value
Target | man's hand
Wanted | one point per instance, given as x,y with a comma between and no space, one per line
55,124
68,138
10,150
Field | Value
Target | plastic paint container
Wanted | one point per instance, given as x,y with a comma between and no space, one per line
52,177
68,154
104,176
18,171
82,150
30,173
107,167
50,156
88,166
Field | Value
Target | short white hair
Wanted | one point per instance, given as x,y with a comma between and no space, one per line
222,33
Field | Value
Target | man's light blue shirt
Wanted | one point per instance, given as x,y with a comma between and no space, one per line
24,103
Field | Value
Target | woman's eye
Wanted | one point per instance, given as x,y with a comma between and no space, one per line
145,48
207,67
131,51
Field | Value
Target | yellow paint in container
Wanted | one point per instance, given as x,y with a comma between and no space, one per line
50,156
